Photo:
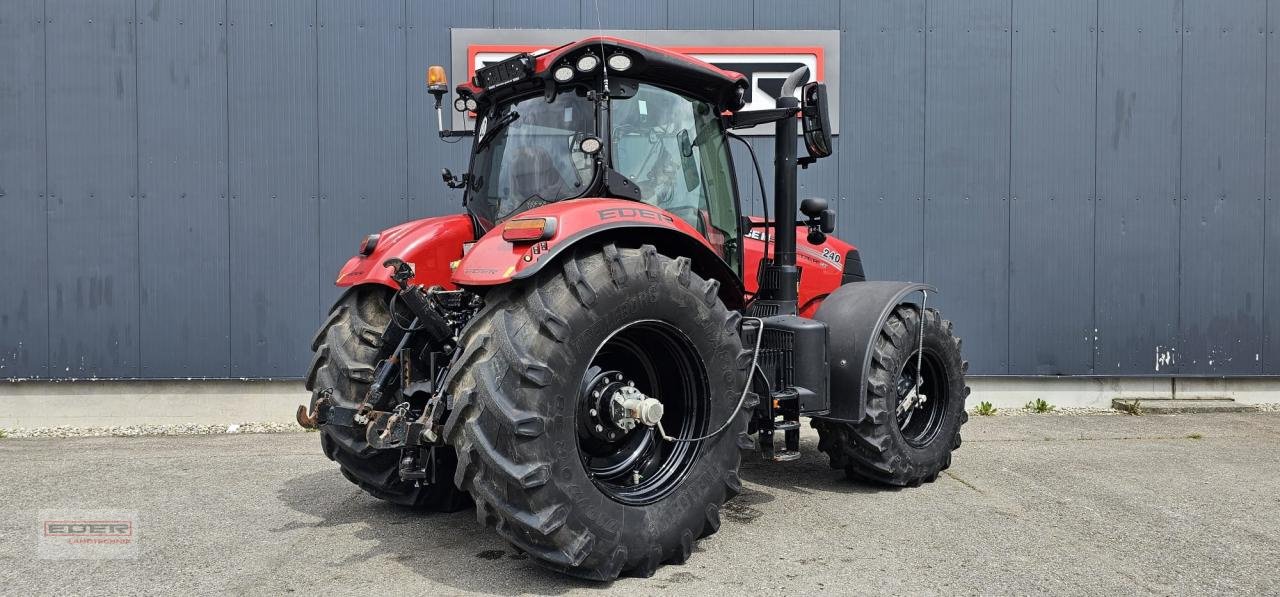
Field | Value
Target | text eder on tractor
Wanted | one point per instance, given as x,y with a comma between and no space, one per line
586,349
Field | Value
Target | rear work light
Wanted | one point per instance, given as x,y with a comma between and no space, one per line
528,230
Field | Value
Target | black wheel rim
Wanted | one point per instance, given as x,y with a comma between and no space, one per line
919,421
636,466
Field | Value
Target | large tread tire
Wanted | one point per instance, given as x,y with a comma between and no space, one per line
346,354
515,389
873,449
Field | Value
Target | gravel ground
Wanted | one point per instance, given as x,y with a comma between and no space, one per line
148,430
1092,505
1057,411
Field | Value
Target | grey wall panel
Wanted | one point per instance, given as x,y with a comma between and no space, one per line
624,15
24,296
363,141
182,175
975,134
274,178
795,14
1223,171
966,229
1051,209
93,213
822,178
819,180
428,43
711,14
881,157
1139,126
552,14
1271,237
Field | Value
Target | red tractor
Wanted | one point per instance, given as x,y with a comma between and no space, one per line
584,352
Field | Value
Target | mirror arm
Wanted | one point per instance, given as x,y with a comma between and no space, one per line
750,118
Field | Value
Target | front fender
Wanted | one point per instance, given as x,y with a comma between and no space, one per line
430,244
494,261
854,314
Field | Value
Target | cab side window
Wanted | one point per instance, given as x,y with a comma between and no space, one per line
674,149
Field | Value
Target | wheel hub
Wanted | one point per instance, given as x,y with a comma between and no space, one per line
629,406
618,411
600,420
922,398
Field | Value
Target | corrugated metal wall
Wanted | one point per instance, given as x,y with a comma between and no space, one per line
1089,182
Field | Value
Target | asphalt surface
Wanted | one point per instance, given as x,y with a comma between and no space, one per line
1184,504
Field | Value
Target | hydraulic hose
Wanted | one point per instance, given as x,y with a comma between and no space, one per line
746,389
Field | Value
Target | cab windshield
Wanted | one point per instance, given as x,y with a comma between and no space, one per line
527,154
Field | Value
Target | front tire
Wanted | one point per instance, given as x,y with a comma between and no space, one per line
904,446
541,470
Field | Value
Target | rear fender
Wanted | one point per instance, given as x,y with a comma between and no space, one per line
854,314
430,244
591,222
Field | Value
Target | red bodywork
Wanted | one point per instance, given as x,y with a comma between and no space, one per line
495,261
822,266
431,245
435,247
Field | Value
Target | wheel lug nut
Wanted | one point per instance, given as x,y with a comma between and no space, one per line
599,428
592,412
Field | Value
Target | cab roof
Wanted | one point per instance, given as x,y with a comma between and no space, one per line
650,64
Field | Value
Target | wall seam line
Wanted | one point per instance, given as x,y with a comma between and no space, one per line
319,197
1266,145
1008,237
226,62
404,29
137,176
924,150
1182,117
48,280
1093,220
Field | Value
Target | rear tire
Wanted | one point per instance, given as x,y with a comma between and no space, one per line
346,354
518,421
910,448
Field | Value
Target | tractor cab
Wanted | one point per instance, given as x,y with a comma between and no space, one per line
603,118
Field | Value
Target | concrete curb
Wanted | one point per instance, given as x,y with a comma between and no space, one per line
120,403
100,403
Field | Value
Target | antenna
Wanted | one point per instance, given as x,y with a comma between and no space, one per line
604,60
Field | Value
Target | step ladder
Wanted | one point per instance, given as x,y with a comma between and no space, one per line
782,413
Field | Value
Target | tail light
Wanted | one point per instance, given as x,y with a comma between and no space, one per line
528,230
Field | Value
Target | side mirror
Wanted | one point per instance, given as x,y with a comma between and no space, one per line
815,120
822,220
452,181
813,206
